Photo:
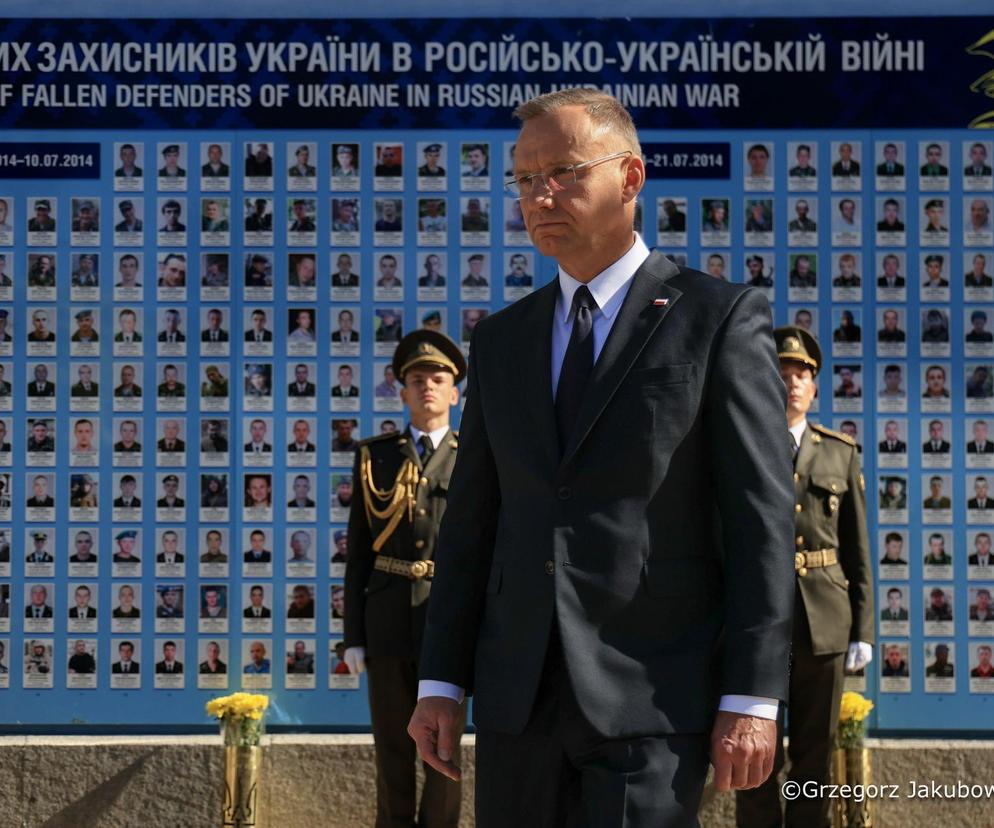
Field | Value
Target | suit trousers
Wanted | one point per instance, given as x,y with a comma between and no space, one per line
560,773
815,697
393,694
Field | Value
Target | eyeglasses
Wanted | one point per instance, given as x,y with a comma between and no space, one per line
527,186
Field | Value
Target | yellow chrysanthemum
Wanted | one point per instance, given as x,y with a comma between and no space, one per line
854,707
238,705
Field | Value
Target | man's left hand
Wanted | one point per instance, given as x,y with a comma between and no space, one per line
742,750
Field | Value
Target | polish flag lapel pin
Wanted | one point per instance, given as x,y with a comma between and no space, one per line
660,303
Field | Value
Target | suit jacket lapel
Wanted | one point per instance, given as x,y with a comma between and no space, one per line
535,371
805,453
637,320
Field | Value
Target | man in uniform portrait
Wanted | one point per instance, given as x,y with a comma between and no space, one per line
42,221
302,168
431,168
84,385
170,167
563,610
170,496
393,525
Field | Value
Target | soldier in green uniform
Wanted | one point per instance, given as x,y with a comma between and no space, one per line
833,617
401,485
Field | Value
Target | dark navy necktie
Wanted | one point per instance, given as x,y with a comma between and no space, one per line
578,363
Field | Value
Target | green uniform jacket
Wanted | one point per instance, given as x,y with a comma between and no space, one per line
831,514
385,613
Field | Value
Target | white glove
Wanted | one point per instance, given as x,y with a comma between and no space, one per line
860,654
355,660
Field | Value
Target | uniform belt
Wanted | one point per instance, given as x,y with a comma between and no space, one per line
415,570
813,558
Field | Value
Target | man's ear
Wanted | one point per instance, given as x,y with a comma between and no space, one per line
634,178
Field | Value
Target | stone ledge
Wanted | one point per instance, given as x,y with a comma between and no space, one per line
119,781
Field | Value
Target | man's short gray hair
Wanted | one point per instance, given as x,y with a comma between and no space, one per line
604,110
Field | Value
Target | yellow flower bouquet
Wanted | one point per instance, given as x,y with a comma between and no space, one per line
852,713
241,717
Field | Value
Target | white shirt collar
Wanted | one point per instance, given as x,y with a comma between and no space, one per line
606,286
436,435
798,430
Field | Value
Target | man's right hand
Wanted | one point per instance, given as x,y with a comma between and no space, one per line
355,660
433,727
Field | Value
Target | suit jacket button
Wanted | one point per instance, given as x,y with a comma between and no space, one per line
419,544
550,567
422,512
798,508
565,493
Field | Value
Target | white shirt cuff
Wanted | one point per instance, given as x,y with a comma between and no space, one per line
428,687
758,706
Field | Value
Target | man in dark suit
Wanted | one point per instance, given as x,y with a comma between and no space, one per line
38,606
891,444
169,665
936,442
846,166
980,444
393,527
895,610
255,609
125,664
257,552
214,332
978,166
345,332
301,386
258,332
639,524
890,167
40,386
82,609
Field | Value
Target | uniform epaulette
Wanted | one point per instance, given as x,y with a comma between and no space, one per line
379,438
838,435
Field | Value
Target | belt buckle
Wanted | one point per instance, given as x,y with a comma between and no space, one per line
799,560
419,569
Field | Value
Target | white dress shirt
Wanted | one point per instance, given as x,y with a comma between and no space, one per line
436,435
609,289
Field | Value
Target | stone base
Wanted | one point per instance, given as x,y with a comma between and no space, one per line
318,781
